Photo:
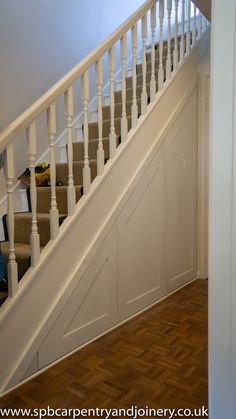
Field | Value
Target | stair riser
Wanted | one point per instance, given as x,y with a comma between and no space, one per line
44,199
62,172
129,81
106,111
78,149
93,128
23,263
23,231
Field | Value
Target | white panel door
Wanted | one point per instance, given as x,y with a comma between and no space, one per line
140,241
181,198
91,309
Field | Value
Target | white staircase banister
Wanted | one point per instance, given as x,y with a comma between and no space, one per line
27,117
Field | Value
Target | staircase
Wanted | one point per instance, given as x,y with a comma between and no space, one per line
22,221
95,172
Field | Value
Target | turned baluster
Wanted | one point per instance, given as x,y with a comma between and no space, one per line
144,66
188,36
123,56
182,41
54,214
160,70
194,29
112,136
134,110
100,151
86,168
176,48
32,151
199,25
168,60
12,269
204,23
153,33
71,199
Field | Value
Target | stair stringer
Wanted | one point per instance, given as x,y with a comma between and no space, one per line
82,234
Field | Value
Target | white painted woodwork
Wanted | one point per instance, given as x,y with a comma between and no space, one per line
71,200
153,54
54,214
168,60
194,29
160,69
222,214
124,278
144,66
203,170
181,198
32,153
199,25
12,270
123,57
140,242
93,226
91,309
86,168
204,23
176,47
112,135
100,151
182,40
134,110
188,34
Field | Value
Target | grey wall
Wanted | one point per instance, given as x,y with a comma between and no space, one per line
40,40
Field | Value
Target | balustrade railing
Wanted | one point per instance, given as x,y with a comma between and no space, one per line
146,30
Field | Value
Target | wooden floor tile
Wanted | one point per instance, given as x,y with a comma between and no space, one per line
158,359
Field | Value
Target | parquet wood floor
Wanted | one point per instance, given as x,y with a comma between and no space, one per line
158,359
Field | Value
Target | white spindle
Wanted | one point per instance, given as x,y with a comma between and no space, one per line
123,56
86,168
12,269
194,30
144,66
204,23
188,36
160,70
54,215
176,49
32,151
100,151
182,41
134,111
153,77
168,60
112,136
71,199
199,25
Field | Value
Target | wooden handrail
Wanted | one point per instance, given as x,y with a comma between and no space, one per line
41,104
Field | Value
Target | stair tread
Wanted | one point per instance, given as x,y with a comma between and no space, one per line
21,249
40,215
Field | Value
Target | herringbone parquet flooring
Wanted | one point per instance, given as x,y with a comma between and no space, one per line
158,359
